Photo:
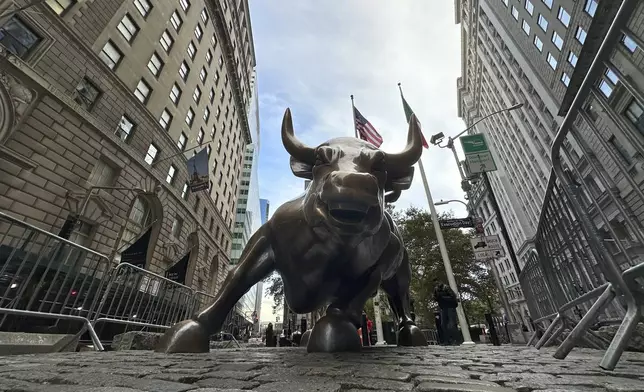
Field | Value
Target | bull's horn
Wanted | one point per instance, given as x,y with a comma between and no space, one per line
412,152
292,145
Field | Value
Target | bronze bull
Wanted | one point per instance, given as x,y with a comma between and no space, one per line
334,245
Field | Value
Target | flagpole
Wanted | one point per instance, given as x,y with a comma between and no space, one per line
353,112
465,330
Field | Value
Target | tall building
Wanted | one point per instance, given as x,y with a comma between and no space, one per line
248,214
264,206
537,52
119,94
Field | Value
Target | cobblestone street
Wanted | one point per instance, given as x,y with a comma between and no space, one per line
474,369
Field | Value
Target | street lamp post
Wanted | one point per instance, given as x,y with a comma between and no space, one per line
436,140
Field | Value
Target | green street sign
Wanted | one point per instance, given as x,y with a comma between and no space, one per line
474,143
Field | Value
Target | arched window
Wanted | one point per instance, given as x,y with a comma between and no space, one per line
139,220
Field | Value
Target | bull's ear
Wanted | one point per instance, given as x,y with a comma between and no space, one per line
301,169
399,181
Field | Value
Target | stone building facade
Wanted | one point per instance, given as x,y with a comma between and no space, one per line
537,52
88,98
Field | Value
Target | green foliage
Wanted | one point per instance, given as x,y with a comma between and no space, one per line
275,288
476,287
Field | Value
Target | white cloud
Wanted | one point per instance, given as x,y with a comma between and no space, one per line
311,55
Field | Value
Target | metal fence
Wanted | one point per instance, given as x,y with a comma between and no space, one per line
588,248
45,277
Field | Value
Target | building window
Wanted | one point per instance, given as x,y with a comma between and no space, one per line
176,21
529,6
171,172
86,94
564,16
152,153
538,43
515,13
548,3
17,37
196,95
192,51
635,113
128,28
565,79
177,225
526,27
580,34
181,143
165,119
206,114
142,91
505,2
184,191
216,77
175,94
184,70
543,23
204,15
611,76
110,55
190,117
557,40
605,88
166,41
572,59
213,41
200,136
211,95
198,32
203,74
208,56
621,151
591,7
155,65
221,61
143,6
60,6
185,4
552,61
628,43
125,128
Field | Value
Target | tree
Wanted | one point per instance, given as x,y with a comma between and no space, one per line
472,277
275,288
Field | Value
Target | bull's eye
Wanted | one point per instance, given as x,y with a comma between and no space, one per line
320,159
379,164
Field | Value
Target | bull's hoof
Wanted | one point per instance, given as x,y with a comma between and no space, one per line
305,338
333,333
188,336
411,335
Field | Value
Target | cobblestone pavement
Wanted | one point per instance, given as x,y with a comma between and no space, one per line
474,369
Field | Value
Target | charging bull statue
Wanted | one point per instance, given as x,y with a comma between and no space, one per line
335,245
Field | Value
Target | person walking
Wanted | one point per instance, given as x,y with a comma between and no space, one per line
447,302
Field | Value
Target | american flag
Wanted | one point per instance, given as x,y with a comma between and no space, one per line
366,131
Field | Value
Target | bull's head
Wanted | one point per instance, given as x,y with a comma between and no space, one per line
350,178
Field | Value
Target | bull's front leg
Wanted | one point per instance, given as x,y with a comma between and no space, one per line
397,289
255,263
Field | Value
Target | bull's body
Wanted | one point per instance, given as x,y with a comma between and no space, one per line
335,245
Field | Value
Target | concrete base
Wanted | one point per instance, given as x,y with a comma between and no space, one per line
516,334
12,343
136,340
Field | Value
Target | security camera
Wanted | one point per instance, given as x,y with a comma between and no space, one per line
437,139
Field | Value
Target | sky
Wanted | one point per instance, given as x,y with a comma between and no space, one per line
312,55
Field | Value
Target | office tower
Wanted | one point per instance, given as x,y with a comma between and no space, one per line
117,94
248,214
537,52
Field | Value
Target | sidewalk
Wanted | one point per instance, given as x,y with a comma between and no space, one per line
480,368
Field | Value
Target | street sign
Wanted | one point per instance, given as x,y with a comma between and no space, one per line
490,242
489,254
478,157
480,162
456,223
473,144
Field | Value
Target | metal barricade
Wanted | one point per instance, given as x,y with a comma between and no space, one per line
431,335
48,277
588,263
138,297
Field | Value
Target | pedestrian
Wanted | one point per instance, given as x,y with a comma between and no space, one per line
447,302
269,336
